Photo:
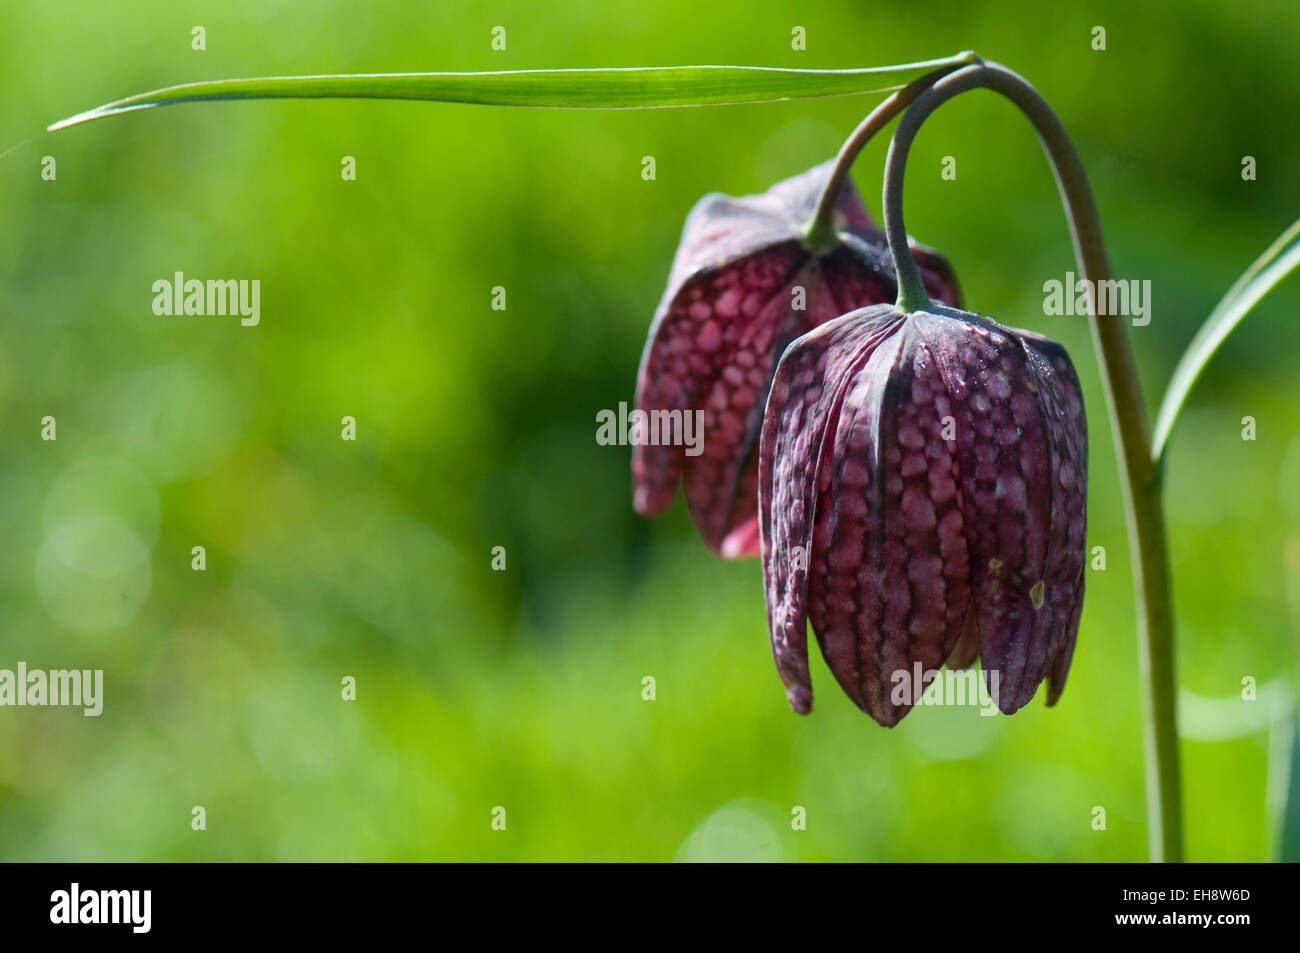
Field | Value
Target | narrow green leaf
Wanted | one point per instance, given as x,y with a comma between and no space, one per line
623,88
1258,280
1288,769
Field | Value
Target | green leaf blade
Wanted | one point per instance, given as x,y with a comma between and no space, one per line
617,88
1284,764
1264,274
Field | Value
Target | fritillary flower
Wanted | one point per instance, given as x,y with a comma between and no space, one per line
923,484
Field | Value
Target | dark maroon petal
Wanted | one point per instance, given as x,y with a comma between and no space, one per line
939,278
722,496
795,199
889,588
719,320
1062,398
855,275
1004,449
722,229
807,390
870,248
1064,654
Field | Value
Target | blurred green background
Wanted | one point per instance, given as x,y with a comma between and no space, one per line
476,429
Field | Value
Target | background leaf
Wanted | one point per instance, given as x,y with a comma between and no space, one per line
1259,279
622,88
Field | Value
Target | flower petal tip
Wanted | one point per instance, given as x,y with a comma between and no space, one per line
800,699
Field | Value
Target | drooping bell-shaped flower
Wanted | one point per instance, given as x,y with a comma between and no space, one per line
923,487
744,284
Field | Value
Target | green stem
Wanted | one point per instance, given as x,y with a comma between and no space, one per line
820,232
912,295
1140,476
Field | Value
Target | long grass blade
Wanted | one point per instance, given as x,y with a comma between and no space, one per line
621,88
1281,258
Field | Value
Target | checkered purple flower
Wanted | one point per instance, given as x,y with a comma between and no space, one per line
922,486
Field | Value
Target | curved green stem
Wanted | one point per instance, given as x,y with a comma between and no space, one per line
912,295
1139,474
820,231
